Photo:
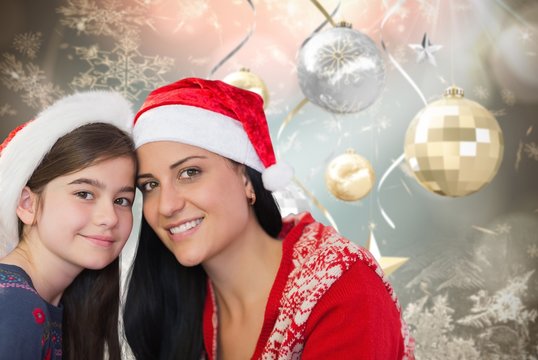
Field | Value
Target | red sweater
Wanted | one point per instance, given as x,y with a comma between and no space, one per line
329,300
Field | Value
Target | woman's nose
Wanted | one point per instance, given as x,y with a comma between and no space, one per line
171,200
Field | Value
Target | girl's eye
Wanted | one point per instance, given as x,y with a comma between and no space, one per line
123,202
84,195
147,186
188,174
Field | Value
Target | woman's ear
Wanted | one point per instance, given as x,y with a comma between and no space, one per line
27,206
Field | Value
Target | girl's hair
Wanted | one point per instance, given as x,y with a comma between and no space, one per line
165,300
91,302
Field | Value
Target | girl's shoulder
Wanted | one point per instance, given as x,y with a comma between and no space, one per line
28,324
13,277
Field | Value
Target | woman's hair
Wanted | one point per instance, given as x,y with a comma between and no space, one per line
165,300
90,320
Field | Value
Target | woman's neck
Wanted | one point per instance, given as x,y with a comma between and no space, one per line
243,275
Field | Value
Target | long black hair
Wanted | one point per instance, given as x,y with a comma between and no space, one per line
165,300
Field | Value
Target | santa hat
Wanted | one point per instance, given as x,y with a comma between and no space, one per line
26,146
215,116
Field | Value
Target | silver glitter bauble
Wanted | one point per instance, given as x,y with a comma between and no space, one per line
341,70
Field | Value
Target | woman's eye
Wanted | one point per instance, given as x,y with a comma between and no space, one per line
188,174
123,202
84,195
147,186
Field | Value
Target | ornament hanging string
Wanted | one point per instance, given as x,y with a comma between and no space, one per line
311,196
324,12
290,116
316,202
329,19
406,76
300,105
239,46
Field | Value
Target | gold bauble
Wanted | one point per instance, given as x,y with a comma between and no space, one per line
247,80
454,146
349,176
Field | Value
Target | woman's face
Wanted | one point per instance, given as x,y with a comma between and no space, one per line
195,200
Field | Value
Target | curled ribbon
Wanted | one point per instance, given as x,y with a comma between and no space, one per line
406,76
239,46
300,105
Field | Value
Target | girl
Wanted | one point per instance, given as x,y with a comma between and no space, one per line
66,189
228,279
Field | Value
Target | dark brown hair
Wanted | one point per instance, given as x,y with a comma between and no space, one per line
91,302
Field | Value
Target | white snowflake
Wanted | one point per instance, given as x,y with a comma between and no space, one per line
337,55
531,149
503,228
192,9
6,110
532,250
508,97
108,18
28,43
481,92
123,69
29,79
332,124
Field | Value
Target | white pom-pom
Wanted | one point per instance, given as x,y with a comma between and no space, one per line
277,176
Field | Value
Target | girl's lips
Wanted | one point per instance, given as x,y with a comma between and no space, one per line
100,240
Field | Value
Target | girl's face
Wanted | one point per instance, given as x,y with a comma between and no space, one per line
195,200
85,217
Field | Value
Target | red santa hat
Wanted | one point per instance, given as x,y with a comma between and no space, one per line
26,146
215,116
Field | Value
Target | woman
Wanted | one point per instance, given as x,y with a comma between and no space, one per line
67,183
228,279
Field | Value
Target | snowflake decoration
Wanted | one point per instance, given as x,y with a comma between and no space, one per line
508,97
337,55
28,43
481,92
532,250
503,228
192,9
6,110
332,125
109,18
30,80
531,150
428,10
123,69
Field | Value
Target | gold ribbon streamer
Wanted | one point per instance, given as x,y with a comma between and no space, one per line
316,202
324,12
290,116
311,196
391,168
238,47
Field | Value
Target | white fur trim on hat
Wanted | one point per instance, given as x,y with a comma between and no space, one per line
192,125
25,151
277,176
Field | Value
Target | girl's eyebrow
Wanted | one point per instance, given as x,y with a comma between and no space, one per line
174,165
99,184
91,182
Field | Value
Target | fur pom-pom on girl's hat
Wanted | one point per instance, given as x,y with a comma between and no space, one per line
215,116
26,146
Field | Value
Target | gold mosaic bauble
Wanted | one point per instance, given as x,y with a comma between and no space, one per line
454,146
247,80
349,176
